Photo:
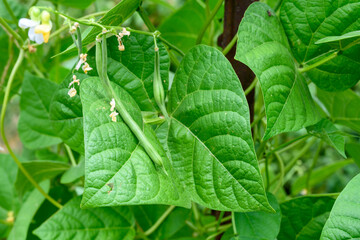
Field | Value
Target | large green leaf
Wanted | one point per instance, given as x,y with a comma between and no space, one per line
306,22
209,134
343,107
353,149
73,223
344,220
118,171
263,46
304,217
39,170
327,131
114,17
34,126
259,225
319,175
182,27
27,211
82,4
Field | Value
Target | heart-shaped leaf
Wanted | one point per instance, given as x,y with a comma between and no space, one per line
34,125
344,219
306,22
118,171
263,46
209,134
73,223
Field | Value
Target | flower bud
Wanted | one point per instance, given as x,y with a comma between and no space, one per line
34,14
45,17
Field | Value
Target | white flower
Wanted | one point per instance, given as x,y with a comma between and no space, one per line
124,32
39,33
74,81
81,61
86,67
112,104
113,116
72,92
28,23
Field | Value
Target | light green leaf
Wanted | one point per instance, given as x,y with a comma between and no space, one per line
349,35
319,175
259,225
39,170
8,171
343,107
353,149
66,114
34,126
27,212
209,135
304,217
327,131
114,17
263,46
74,173
344,219
182,27
82,4
73,223
118,171
306,22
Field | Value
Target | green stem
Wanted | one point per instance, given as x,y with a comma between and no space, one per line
3,111
316,64
159,221
234,223
8,29
324,195
8,8
282,146
251,87
267,173
316,157
146,19
172,46
71,155
219,220
212,236
282,171
230,45
208,21
214,223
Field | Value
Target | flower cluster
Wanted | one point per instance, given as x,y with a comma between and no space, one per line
82,62
123,33
113,113
39,25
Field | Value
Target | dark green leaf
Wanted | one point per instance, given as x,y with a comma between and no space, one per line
353,149
34,126
27,211
319,175
344,219
304,217
39,170
343,107
209,134
82,4
74,173
118,171
307,22
8,171
259,225
182,27
73,223
263,46
327,131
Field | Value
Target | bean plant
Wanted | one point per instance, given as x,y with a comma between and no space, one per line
180,119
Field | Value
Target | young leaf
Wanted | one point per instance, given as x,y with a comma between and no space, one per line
66,114
74,173
304,217
344,219
343,107
183,26
327,131
39,170
307,22
118,171
263,46
349,35
73,223
27,212
209,134
259,225
34,125
319,175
